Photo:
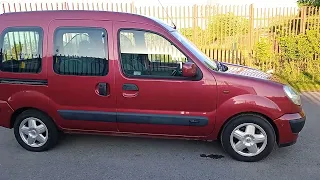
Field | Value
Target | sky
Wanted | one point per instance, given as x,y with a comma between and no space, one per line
257,3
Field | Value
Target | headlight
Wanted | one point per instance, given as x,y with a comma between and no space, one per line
292,94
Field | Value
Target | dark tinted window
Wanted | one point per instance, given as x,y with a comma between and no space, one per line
81,52
21,50
148,54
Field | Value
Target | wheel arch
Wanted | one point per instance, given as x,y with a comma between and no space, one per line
22,101
17,112
250,113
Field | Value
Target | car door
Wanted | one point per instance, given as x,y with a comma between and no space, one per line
152,97
81,77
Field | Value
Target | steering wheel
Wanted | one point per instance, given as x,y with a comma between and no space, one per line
177,71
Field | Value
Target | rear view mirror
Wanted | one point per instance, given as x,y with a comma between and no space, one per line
189,69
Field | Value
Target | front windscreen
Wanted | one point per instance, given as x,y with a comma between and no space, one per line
198,53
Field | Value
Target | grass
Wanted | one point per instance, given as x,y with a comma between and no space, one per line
305,85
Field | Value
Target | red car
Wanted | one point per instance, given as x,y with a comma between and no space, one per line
125,74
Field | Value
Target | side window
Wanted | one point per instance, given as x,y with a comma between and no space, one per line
80,52
148,54
21,50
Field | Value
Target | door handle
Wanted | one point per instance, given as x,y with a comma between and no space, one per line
103,89
130,87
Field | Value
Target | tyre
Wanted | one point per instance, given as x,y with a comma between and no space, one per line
248,138
35,131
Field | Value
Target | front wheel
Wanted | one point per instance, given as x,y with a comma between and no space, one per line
248,138
35,131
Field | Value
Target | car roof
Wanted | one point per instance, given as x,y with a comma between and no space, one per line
81,14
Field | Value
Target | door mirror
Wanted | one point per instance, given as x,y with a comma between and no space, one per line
189,69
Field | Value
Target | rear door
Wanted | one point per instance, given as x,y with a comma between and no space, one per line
81,77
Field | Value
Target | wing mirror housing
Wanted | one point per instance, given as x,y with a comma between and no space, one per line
189,69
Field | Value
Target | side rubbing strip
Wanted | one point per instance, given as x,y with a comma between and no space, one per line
23,81
88,115
156,119
161,119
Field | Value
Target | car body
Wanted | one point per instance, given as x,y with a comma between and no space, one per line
78,72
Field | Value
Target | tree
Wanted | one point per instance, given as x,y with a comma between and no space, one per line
226,25
309,3
264,51
193,34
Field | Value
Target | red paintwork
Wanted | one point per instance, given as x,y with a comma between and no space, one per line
285,134
189,69
217,95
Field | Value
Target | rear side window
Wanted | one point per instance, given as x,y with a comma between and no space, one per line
80,51
21,50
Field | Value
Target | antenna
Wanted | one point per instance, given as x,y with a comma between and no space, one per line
174,26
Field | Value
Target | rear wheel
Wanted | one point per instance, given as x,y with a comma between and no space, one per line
248,138
35,131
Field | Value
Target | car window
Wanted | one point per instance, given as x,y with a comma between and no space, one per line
21,50
198,53
81,51
146,53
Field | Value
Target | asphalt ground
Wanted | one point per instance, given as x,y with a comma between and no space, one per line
105,157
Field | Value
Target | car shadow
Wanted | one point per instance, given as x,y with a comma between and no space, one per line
136,145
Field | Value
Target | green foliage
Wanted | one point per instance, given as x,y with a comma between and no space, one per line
305,51
290,71
225,25
187,32
314,39
296,47
263,50
298,52
15,52
308,2
288,46
297,58
284,26
193,34
222,31
190,32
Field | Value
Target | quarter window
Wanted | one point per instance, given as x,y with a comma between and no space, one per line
80,51
148,54
21,50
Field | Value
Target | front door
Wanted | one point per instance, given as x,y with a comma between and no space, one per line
81,77
152,95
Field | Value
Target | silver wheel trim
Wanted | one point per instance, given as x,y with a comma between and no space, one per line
249,143
33,132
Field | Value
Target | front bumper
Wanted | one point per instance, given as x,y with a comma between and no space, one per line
297,124
289,126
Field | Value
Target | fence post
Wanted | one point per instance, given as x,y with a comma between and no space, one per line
251,28
195,22
65,6
133,7
4,8
303,19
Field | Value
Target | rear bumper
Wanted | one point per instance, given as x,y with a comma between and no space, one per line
5,114
289,126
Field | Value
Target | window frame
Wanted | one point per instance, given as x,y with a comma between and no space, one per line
198,77
25,28
82,29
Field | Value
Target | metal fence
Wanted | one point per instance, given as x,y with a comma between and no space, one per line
228,33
